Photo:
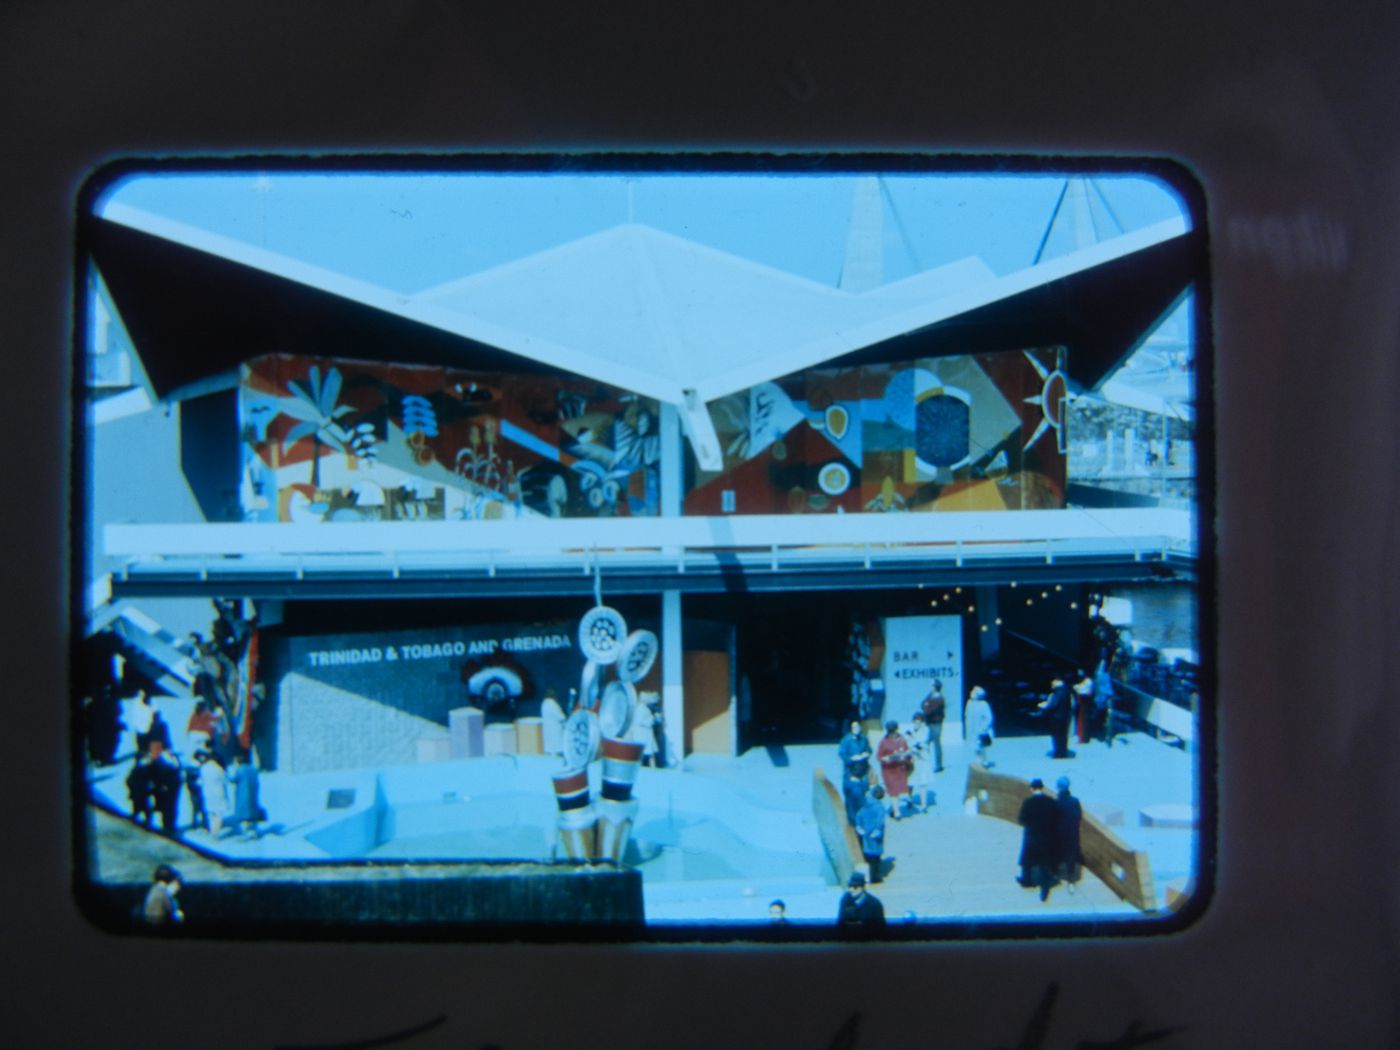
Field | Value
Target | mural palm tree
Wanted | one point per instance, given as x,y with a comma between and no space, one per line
315,406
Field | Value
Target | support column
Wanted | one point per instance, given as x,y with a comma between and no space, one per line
672,641
672,477
672,693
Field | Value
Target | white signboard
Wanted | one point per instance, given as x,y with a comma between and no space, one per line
920,650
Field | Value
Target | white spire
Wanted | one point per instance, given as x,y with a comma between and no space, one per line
864,267
1081,218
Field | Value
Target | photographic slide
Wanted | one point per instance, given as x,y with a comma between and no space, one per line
643,548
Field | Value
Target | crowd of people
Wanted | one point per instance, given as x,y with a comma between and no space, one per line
221,777
222,785
907,757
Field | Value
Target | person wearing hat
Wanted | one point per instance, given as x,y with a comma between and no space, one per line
1069,860
1039,819
859,908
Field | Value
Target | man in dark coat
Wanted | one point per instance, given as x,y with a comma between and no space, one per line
1069,861
855,761
165,782
139,786
859,908
1058,707
1038,819
870,826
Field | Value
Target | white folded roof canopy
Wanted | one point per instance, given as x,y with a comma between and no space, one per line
641,308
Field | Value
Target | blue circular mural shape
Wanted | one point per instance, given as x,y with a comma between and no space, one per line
942,430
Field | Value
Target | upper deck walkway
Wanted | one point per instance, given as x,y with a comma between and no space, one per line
693,554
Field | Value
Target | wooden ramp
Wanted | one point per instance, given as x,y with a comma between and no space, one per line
945,864
949,862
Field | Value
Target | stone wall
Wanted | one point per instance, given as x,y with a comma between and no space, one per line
322,727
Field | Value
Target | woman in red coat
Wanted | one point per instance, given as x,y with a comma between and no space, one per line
894,758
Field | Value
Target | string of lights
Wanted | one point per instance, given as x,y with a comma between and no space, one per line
957,602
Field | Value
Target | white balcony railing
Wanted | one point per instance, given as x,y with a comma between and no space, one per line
760,541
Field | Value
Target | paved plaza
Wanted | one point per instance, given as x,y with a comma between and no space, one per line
717,840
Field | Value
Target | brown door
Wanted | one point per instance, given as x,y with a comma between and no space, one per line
705,676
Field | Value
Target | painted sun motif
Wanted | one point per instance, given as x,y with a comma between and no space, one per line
1052,399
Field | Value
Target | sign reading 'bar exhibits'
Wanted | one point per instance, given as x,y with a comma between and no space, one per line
921,650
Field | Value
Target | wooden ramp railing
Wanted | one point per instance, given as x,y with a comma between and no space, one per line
1122,869
839,838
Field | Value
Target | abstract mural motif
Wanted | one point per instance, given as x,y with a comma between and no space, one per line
328,440
976,432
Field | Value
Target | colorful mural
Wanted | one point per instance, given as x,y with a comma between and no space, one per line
977,432
329,440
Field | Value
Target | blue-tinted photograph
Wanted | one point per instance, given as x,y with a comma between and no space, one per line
642,548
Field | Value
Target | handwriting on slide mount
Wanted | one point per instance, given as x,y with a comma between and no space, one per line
1037,1029
847,1037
